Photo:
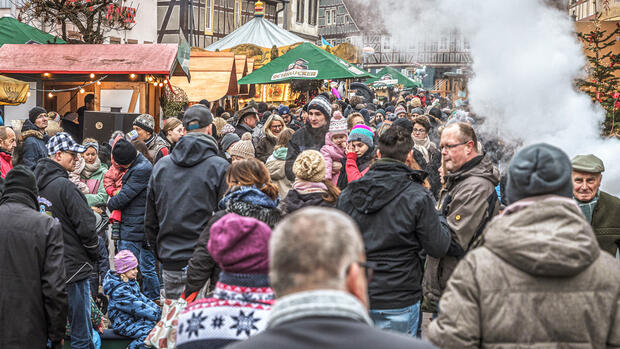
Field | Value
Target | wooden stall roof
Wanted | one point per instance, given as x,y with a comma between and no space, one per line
241,63
214,76
156,59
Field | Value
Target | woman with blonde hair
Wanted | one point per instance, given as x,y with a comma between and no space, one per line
250,194
271,130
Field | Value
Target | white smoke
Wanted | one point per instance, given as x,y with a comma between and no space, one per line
526,58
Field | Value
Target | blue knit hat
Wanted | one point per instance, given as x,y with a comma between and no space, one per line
363,134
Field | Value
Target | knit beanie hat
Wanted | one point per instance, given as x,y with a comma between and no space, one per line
21,180
228,128
539,169
338,115
34,113
415,102
310,166
363,134
380,111
240,244
228,140
124,153
124,261
322,104
337,126
399,110
145,122
244,148
404,123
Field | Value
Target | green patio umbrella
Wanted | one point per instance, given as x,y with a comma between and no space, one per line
13,31
389,76
305,62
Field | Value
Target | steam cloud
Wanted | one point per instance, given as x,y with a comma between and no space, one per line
526,57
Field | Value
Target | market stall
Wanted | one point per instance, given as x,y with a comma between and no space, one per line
388,77
124,78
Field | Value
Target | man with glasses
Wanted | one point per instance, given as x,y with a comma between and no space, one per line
318,271
61,199
398,220
468,200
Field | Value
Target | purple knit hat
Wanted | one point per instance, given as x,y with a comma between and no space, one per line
240,244
124,261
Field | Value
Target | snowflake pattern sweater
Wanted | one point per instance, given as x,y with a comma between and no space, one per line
238,309
131,313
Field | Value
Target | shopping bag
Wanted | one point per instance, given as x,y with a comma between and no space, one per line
164,334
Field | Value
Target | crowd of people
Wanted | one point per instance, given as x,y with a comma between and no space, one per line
336,224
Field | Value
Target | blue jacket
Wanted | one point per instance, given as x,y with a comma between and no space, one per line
131,200
130,312
34,144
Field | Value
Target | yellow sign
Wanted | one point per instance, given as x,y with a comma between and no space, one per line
12,91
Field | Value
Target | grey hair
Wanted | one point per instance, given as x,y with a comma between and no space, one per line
311,249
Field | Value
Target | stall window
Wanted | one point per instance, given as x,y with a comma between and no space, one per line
209,17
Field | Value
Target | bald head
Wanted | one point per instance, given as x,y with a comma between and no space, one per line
311,249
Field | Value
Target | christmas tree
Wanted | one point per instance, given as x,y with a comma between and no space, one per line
602,83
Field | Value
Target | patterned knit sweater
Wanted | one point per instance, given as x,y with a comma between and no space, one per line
238,309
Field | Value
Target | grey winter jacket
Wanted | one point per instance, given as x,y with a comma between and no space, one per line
467,203
539,280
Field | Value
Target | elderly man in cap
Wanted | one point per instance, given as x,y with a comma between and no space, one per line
158,147
183,193
600,208
248,119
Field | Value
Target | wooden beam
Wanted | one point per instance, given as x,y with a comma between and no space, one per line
134,100
164,23
143,98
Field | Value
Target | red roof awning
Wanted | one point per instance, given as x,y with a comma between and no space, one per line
153,59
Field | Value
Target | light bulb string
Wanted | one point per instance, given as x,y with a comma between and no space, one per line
70,88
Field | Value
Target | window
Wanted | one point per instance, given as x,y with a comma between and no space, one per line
301,4
312,11
132,41
328,15
209,17
115,40
443,43
237,13
387,44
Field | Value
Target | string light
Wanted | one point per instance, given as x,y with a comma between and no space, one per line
161,84
47,75
50,95
166,81
132,76
150,78
82,90
92,75
98,82
28,93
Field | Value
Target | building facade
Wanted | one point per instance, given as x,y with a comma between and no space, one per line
354,21
300,17
586,10
203,22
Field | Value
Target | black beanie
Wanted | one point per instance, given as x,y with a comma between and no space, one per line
34,113
539,169
22,180
124,153
404,123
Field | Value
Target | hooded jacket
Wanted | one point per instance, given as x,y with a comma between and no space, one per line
131,200
34,147
305,138
6,163
64,201
468,202
183,193
242,201
295,200
539,261
397,218
331,153
32,282
275,165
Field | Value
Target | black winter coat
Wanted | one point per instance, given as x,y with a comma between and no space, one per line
397,218
305,138
183,193
65,202
34,142
295,201
431,168
32,282
131,200
202,267
328,333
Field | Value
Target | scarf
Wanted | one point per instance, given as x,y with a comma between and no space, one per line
305,187
250,195
89,169
423,146
280,153
588,207
330,303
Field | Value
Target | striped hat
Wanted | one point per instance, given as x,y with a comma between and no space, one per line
322,104
363,134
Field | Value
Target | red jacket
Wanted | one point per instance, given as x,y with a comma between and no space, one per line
6,163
